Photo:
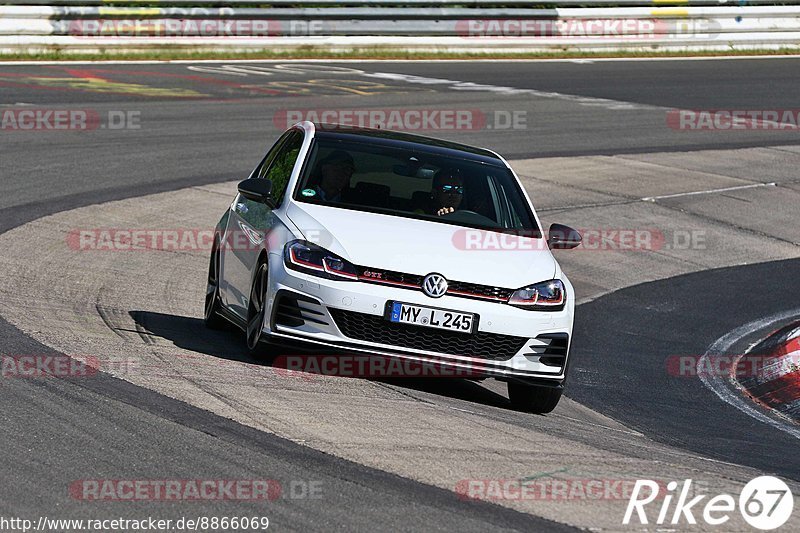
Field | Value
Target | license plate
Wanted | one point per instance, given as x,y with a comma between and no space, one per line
431,317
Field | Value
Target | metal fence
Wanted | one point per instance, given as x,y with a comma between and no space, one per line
444,25
375,3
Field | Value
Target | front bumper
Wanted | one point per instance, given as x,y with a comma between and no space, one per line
348,316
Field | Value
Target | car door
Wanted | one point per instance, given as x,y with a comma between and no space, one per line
250,221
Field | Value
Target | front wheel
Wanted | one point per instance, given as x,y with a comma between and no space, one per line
212,318
256,310
533,398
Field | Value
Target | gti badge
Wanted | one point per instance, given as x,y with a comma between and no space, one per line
434,285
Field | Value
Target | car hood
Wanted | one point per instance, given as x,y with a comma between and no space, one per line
421,247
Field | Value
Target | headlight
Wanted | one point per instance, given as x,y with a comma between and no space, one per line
312,259
544,296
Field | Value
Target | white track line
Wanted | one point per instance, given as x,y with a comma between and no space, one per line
717,383
709,191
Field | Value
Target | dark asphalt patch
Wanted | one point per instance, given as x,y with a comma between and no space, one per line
622,347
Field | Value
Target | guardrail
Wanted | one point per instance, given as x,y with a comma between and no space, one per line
440,3
444,25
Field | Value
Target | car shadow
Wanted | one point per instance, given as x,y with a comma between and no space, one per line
190,333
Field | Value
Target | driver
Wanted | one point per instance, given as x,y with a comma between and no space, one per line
447,191
335,172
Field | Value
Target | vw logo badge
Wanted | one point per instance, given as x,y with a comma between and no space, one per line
434,285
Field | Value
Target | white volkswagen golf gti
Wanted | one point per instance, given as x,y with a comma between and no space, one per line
393,245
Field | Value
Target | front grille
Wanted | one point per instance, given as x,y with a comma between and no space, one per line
479,291
373,328
551,348
414,282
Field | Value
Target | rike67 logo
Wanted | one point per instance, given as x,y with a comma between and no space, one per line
765,503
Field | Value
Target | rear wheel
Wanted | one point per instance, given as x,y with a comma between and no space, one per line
212,318
533,398
257,310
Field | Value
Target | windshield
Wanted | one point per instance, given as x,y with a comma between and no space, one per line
414,184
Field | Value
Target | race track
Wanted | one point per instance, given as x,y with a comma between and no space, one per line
595,151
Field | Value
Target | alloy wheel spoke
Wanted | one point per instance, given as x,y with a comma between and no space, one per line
257,308
252,328
211,286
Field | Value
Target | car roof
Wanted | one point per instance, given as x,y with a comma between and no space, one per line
406,141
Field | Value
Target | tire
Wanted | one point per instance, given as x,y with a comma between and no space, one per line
256,312
211,317
533,398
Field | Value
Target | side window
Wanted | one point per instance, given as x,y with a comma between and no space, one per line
267,161
279,170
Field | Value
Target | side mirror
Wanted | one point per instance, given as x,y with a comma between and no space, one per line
561,237
258,190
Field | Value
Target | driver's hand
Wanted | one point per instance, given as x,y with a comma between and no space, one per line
445,210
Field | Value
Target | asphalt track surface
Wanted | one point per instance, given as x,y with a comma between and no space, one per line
628,336
58,431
